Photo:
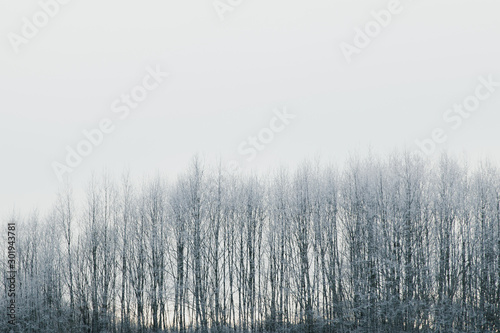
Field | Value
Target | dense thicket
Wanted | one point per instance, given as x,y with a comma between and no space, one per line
383,245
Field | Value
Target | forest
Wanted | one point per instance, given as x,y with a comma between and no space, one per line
394,243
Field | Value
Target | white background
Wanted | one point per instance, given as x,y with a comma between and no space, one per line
226,79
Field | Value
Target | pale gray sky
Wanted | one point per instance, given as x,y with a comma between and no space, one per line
226,78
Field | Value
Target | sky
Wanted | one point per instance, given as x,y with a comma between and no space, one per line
257,84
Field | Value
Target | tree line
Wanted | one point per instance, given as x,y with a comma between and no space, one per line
383,244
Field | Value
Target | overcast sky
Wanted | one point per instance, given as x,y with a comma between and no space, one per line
230,71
